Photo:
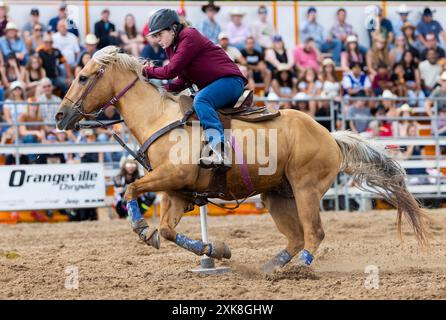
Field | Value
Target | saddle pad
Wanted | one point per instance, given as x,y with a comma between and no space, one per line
248,114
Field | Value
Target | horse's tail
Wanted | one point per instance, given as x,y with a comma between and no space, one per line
372,170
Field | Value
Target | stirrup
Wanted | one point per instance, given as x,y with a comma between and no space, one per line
217,157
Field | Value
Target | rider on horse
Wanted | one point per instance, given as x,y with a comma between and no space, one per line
194,59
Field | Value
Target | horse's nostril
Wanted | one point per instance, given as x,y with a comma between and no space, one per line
59,116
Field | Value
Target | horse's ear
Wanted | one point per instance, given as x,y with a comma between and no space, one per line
121,50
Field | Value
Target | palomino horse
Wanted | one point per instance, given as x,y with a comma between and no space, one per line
308,159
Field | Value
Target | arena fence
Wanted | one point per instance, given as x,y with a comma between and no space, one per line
342,192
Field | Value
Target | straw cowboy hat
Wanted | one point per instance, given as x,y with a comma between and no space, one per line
283,67
405,107
91,39
237,12
210,5
403,9
11,26
387,94
352,38
4,5
328,61
443,76
407,25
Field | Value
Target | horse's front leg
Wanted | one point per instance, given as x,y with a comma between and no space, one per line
173,207
164,177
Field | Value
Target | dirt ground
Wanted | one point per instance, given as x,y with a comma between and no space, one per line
113,264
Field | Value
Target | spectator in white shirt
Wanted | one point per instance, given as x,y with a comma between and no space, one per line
67,43
50,102
232,52
237,30
430,71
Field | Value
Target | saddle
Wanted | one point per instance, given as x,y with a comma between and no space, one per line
243,110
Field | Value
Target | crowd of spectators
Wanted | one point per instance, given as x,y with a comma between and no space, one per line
403,63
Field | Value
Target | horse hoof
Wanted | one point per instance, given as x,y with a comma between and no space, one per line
154,240
151,237
220,250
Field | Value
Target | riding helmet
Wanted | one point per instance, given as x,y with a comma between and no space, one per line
162,19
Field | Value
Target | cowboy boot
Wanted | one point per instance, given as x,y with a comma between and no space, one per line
216,157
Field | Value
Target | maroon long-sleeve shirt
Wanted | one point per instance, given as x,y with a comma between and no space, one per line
196,60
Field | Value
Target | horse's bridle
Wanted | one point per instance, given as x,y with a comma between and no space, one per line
78,105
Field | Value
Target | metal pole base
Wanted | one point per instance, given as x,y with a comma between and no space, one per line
208,267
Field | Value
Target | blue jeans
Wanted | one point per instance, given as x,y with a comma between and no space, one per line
336,47
215,95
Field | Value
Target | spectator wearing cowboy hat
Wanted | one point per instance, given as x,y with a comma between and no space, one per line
63,15
3,17
262,30
237,30
429,25
90,46
403,14
209,27
411,42
12,43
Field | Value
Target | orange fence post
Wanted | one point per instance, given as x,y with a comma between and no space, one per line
384,6
296,22
87,24
182,4
275,14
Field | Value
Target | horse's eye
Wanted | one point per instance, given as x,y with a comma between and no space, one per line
83,79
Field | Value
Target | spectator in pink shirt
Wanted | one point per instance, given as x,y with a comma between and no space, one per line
307,55
237,30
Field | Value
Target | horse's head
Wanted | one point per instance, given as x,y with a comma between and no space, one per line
94,87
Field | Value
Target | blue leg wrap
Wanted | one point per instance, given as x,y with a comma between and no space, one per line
282,258
305,257
133,210
196,246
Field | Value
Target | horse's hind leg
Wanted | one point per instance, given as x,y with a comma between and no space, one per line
285,215
173,207
309,185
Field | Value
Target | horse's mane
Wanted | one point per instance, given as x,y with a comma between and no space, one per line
111,55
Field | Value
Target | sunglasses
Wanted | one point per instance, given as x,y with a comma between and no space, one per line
47,86
38,29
